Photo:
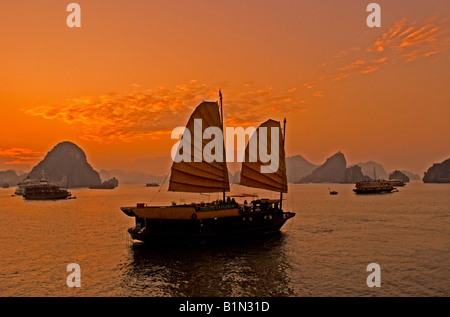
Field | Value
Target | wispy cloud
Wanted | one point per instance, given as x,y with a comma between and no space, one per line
152,113
403,42
20,156
123,117
412,40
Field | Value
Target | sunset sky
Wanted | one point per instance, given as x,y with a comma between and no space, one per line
135,70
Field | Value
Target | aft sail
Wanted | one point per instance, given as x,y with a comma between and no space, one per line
199,174
251,174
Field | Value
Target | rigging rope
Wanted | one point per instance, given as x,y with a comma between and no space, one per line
160,187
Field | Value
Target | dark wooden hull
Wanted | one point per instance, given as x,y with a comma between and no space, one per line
46,197
56,195
373,191
102,187
210,230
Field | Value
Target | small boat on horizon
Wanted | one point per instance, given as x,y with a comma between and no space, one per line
332,192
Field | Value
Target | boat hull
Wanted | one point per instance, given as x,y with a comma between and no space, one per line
47,197
218,225
374,191
102,187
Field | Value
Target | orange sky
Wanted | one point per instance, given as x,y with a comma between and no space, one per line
135,69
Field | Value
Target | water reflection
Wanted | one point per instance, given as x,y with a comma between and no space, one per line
246,268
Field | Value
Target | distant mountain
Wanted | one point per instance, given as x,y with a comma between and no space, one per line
399,175
354,174
331,171
126,177
10,177
66,163
108,184
367,169
298,167
335,170
438,173
411,175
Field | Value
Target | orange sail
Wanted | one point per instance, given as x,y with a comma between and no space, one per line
251,173
199,174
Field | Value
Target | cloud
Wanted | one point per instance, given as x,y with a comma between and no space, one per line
252,107
411,40
21,162
318,94
22,156
403,42
353,65
123,117
152,113
361,66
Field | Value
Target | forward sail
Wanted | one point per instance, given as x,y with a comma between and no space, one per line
251,172
199,174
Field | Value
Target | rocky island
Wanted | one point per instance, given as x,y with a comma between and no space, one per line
397,175
10,178
438,173
298,167
335,170
109,184
66,165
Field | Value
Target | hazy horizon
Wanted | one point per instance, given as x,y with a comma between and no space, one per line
134,71
155,166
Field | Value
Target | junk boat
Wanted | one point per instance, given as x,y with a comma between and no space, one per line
222,219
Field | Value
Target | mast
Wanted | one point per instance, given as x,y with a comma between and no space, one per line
221,121
284,136
221,108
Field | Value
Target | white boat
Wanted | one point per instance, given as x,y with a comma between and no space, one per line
20,190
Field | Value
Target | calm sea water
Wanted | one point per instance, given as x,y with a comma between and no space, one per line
323,251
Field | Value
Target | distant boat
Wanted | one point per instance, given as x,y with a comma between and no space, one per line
379,186
221,219
332,192
152,185
396,182
5,185
20,189
45,191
